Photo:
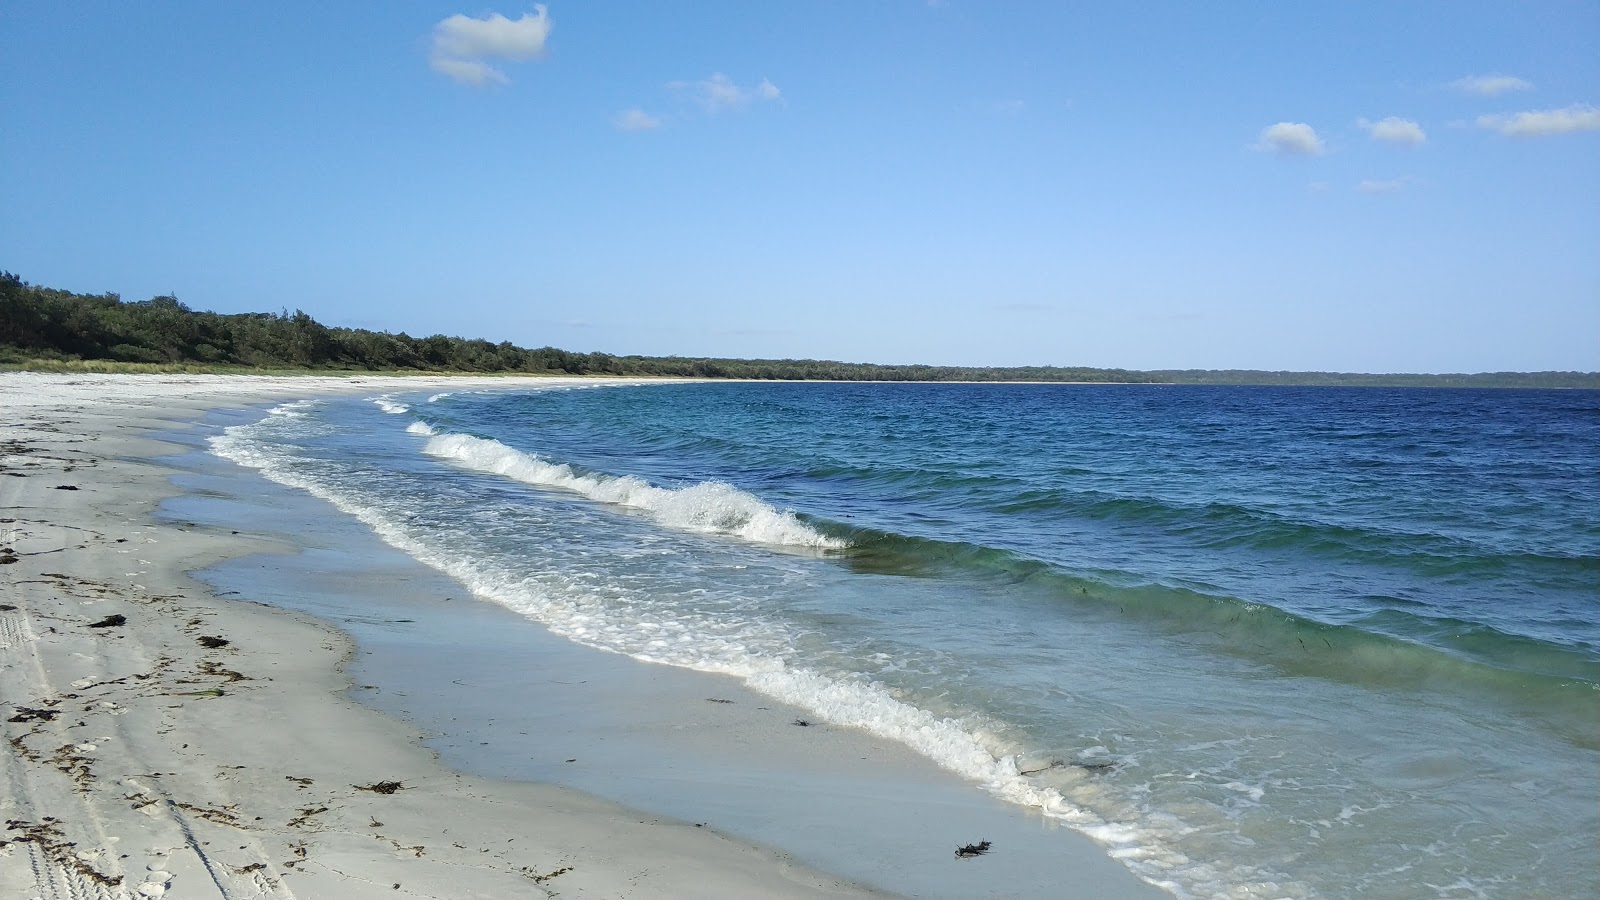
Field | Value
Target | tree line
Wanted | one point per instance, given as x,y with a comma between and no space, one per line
45,324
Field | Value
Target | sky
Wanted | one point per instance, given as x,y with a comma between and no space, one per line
1352,186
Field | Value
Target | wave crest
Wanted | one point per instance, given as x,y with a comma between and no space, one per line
712,507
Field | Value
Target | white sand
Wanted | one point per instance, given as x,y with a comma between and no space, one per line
140,763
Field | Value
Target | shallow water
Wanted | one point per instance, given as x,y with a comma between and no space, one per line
1257,642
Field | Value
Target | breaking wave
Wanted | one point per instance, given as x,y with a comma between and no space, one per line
711,507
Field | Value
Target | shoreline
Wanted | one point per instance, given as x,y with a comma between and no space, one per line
162,739
295,665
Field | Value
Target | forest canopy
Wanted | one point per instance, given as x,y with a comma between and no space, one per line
44,325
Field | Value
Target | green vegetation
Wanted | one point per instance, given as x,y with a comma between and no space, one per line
53,330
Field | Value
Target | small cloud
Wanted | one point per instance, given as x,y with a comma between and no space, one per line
1541,123
462,44
468,71
1010,107
1290,139
1374,186
636,120
1395,130
1491,85
1317,187
719,93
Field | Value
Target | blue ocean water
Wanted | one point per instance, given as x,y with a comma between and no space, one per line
1281,642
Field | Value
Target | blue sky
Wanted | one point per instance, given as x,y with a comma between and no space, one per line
1353,186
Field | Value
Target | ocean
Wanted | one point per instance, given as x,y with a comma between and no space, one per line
1256,642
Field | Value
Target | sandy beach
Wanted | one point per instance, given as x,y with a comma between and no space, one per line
164,740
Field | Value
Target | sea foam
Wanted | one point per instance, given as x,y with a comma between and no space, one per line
709,506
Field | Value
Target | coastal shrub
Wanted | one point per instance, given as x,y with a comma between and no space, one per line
45,328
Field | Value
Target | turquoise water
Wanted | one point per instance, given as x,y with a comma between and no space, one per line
1256,641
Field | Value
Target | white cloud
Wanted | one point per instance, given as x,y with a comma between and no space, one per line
1010,107
462,45
1539,123
1374,186
493,36
468,71
1290,139
719,92
1491,85
1395,130
636,119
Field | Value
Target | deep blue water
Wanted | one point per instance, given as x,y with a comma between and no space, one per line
1257,641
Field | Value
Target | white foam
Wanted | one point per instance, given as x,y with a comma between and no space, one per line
294,409
423,428
708,506
390,406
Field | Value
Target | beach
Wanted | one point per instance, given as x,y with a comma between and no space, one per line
165,737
